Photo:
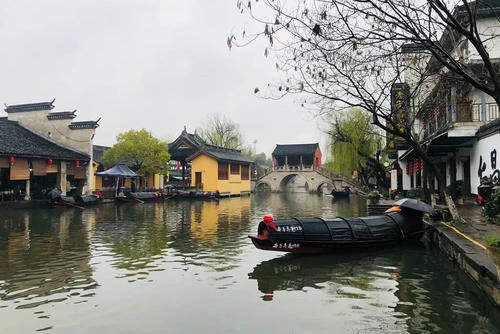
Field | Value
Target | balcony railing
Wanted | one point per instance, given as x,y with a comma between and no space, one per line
491,112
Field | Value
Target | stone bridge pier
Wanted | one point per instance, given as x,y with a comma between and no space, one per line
276,180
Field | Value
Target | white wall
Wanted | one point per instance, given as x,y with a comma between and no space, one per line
57,130
483,148
489,29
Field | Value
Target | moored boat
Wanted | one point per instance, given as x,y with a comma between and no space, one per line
316,235
341,193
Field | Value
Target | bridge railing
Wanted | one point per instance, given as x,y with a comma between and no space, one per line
297,168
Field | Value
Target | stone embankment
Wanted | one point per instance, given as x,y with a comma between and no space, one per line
474,258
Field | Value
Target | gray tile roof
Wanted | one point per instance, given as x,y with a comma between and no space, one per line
489,128
62,115
295,149
18,141
221,154
180,154
84,125
30,107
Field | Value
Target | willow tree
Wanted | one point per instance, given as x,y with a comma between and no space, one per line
348,53
356,145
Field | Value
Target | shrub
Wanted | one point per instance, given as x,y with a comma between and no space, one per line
492,207
492,240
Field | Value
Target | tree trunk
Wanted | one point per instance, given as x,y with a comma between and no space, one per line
425,182
446,194
441,182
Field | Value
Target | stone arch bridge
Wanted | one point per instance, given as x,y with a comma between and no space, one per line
276,180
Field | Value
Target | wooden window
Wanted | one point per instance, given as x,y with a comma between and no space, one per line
20,170
245,172
39,167
235,169
223,171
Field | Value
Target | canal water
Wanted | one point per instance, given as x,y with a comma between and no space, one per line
188,267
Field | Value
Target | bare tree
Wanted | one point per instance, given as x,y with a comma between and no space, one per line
351,53
221,131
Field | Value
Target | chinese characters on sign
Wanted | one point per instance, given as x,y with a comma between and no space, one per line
399,108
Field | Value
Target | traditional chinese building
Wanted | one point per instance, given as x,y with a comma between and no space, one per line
180,149
297,157
41,149
215,168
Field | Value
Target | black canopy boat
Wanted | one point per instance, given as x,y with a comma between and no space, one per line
316,235
59,200
341,193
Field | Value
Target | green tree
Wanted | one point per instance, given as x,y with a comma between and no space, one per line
221,131
141,151
262,160
356,145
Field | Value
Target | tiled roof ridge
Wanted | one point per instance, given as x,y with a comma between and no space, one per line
84,124
297,144
221,148
30,107
62,115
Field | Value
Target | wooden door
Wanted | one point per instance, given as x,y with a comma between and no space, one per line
197,179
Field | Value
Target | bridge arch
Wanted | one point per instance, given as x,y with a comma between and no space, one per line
263,187
286,179
328,185
275,179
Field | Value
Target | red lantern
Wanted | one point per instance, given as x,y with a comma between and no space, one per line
11,160
77,163
421,164
50,162
407,169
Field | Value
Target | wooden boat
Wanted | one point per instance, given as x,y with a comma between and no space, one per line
341,193
75,201
316,235
186,194
85,200
138,197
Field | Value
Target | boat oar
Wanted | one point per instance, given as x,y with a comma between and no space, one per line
138,200
74,205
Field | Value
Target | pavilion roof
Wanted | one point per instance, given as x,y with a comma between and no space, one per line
295,149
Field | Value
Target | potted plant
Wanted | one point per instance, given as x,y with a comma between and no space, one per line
492,207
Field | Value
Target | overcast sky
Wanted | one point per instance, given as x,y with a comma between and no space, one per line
149,64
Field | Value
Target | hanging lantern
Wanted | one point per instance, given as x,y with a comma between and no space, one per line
421,164
407,169
77,163
50,162
11,160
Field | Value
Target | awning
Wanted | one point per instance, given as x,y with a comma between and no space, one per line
118,170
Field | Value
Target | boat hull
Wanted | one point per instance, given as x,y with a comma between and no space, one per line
317,235
311,247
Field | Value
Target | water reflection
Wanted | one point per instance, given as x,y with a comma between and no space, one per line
43,254
410,281
120,258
